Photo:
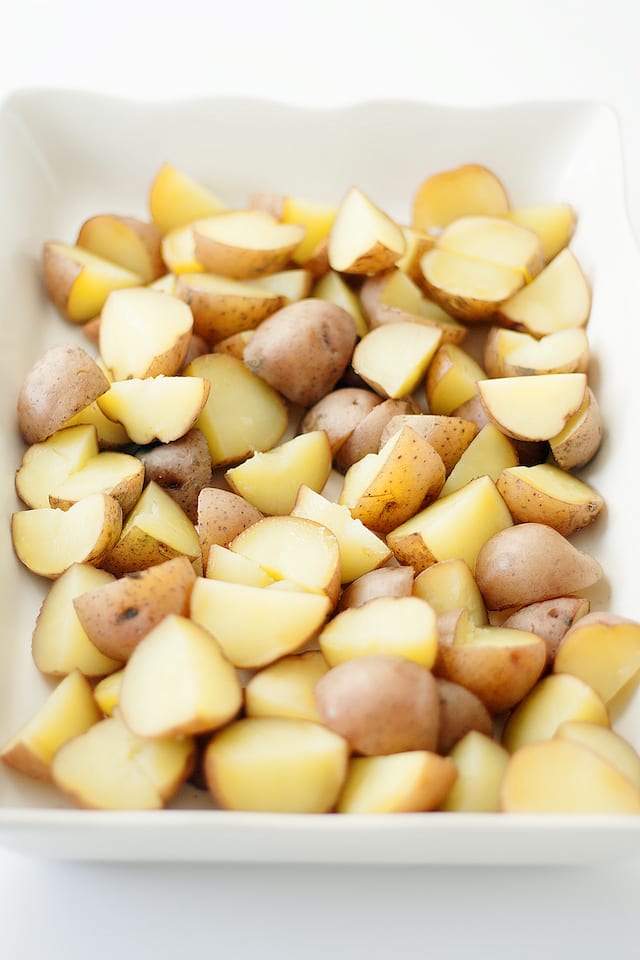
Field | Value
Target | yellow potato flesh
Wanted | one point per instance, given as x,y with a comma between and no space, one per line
333,289
480,763
316,218
394,358
118,474
48,541
466,288
242,414
452,379
95,280
49,463
69,710
363,238
402,626
176,199
361,550
256,626
609,745
489,453
449,585
495,241
455,526
462,191
534,407
398,783
179,251
559,298
554,700
224,564
566,351
285,689
276,764
565,777
547,493
271,480
156,408
605,656
553,222
107,692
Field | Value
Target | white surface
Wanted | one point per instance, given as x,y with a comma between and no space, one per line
462,53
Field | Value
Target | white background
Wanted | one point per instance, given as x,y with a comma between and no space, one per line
472,52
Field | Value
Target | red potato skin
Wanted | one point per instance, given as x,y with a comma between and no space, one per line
303,349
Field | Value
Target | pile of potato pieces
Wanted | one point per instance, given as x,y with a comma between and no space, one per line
424,642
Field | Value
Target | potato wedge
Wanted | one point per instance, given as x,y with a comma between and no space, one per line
559,298
449,436
333,288
480,763
384,582
546,494
580,439
603,650
156,408
363,238
409,782
222,515
366,435
554,223
452,379
533,407
490,453
131,243
339,412
245,243
49,463
119,475
394,358
78,282
459,192
286,688
222,307
176,199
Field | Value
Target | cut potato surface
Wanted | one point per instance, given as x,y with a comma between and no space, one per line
178,681
470,290
399,626
565,777
156,408
144,333
565,351
237,615
603,650
546,493
119,475
78,282
286,688
222,307
49,463
109,768
534,407
394,358
554,223
488,454
271,480
495,241
480,763
276,764
400,783
60,643
127,241
176,199
363,238
559,298
47,541
459,192
243,414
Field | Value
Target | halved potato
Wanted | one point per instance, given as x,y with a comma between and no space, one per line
179,252
496,241
547,494
580,439
133,244
455,526
392,297
417,780
449,436
450,585
157,529
245,243
222,307
144,333
459,192
566,351
490,453
480,763
176,199
559,298
48,541
554,223
286,688
243,414
499,665
603,650
78,282
157,701
499,343
60,644
224,564
394,358
276,764
294,549
119,475
361,550
399,626
59,385
109,768
333,288
156,408
554,700
117,614
561,776
605,742
452,379
316,218
363,238
68,711
49,463
467,289
384,489
256,626
533,407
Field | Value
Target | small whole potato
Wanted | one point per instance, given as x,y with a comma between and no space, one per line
381,704
303,349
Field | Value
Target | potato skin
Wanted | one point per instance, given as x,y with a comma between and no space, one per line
381,704
383,582
365,437
59,385
303,349
460,711
339,412
181,467
222,515
550,620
